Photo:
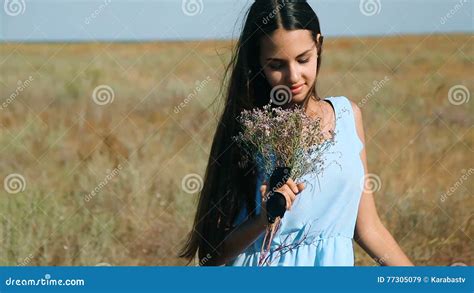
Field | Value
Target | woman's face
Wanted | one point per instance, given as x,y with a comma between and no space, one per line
289,58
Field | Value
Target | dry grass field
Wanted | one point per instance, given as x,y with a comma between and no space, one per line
105,178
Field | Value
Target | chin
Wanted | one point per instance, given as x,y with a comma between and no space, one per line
298,99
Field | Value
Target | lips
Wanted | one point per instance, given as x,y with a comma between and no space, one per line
296,88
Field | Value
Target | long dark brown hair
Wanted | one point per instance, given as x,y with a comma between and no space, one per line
227,188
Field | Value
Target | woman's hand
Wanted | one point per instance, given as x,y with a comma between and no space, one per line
289,190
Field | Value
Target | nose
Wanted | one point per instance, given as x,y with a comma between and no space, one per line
294,74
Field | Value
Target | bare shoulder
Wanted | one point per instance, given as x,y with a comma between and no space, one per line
358,119
356,110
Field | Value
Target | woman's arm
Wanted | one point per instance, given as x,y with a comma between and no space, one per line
370,233
245,234
240,238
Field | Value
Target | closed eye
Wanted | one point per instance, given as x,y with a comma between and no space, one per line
275,66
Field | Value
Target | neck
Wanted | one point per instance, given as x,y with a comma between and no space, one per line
315,108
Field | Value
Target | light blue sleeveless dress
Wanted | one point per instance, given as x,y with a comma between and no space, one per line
319,228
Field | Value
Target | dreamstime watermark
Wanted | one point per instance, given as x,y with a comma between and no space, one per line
111,174
383,259
370,7
465,175
459,95
14,183
453,11
26,261
268,194
46,281
273,13
378,85
192,183
371,183
21,86
94,14
103,95
205,259
200,85
14,7
280,95
192,7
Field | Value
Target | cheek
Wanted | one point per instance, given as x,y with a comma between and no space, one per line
273,77
310,71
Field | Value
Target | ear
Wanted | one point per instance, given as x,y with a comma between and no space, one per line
263,188
319,44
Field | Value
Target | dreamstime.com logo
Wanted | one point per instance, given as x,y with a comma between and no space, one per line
14,7
103,95
273,13
192,7
458,95
21,86
14,183
450,14
200,85
452,189
97,12
378,85
280,95
370,7
192,183
110,175
45,281
371,183
205,259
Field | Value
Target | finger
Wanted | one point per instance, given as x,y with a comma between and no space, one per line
289,192
288,200
301,186
290,197
292,185
286,191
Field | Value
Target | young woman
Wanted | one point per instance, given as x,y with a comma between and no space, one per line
281,45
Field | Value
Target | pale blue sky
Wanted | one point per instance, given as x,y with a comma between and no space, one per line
127,20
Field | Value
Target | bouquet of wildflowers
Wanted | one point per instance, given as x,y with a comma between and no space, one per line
275,138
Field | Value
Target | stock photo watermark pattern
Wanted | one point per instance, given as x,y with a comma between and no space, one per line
21,86
280,95
105,133
192,7
370,7
459,94
192,183
97,12
14,7
200,85
452,189
103,95
371,183
110,176
14,183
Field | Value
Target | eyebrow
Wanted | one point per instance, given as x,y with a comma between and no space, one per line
305,52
